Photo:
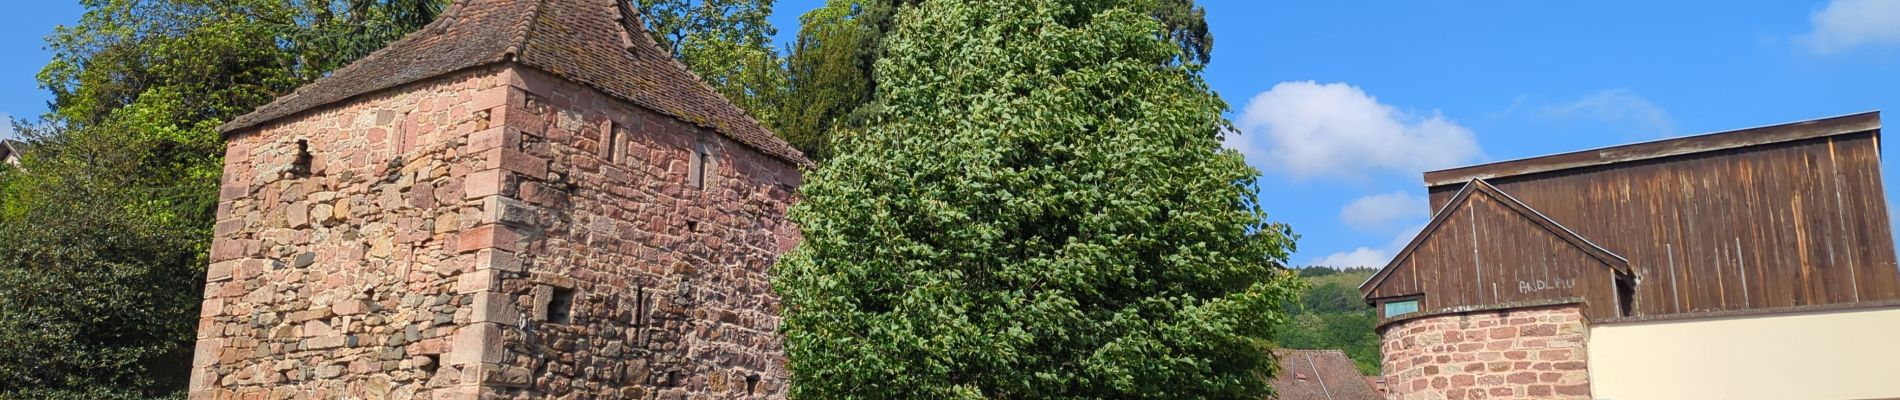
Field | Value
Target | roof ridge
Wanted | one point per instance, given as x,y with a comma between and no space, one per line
1661,148
523,29
574,40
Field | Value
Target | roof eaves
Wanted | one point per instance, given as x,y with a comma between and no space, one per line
1824,127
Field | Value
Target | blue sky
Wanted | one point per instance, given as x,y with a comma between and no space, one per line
1343,104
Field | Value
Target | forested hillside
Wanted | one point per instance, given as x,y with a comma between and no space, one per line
1331,316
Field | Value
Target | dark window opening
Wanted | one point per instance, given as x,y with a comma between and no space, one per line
640,313
692,226
697,166
611,139
430,362
752,384
561,305
1625,295
301,165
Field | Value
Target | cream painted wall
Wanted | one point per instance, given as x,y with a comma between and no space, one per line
1814,355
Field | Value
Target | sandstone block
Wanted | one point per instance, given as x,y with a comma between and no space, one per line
488,237
325,342
501,260
483,280
484,183
513,160
298,214
220,271
475,344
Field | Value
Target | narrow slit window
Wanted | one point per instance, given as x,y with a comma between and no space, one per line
611,140
622,140
1625,295
698,166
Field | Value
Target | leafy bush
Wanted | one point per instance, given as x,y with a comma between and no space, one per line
1040,207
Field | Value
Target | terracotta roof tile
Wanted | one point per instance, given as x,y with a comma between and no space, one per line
579,40
1328,375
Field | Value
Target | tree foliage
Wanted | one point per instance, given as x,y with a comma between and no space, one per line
103,231
1331,315
728,43
830,68
1039,207
97,298
829,71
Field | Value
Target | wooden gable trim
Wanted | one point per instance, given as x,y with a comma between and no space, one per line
1824,127
1608,258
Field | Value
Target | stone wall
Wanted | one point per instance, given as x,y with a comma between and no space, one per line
471,236
1525,353
334,257
666,280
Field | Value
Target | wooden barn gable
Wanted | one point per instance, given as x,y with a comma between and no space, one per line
1486,250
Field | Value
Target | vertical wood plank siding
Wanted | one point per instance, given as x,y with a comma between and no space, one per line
1784,224
1487,253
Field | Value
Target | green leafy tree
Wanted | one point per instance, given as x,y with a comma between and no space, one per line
1332,298
829,71
1187,28
728,43
1040,207
1331,315
830,68
97,299
103,232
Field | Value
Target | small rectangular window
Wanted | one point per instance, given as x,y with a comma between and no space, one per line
561,306
300,165
1400,307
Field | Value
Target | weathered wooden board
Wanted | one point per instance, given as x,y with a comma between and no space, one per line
1759,219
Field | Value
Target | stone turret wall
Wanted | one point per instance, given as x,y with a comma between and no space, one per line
336,254
665,281
1524,353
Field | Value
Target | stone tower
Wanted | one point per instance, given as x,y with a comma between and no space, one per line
524,199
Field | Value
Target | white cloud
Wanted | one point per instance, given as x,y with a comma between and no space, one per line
1618,105
1845,24
1378,212
1307,130
1360,257
1369,256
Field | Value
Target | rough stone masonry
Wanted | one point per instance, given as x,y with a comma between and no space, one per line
1531,353
510,225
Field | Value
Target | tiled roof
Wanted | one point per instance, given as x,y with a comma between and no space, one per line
1319,375
579,40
